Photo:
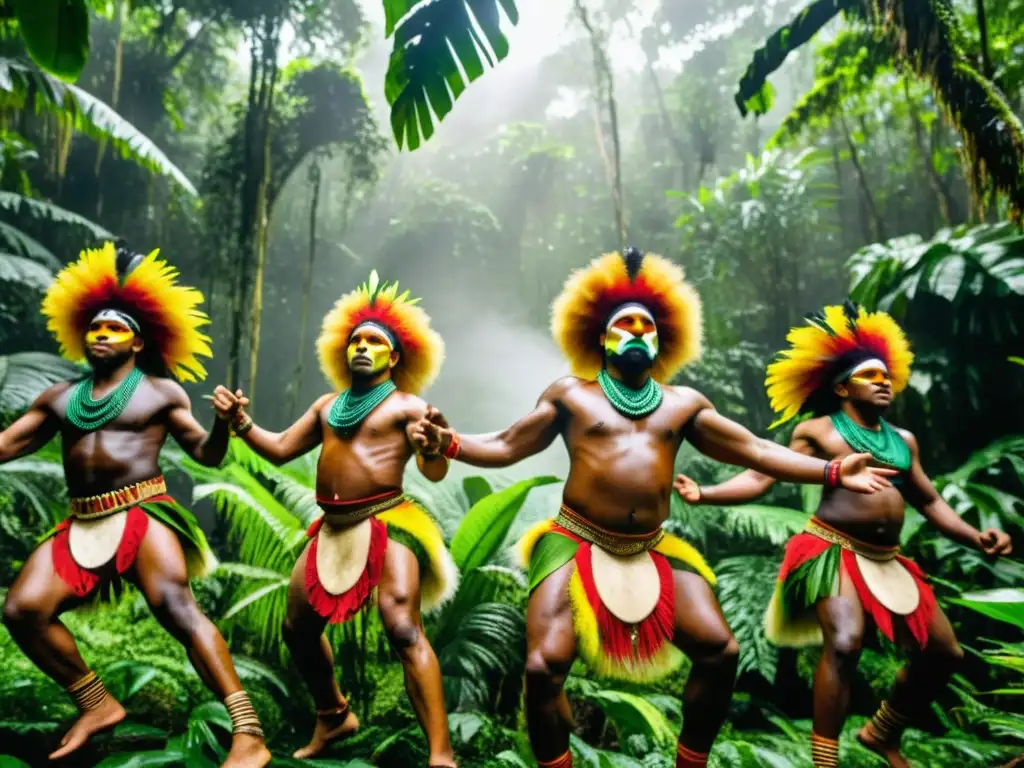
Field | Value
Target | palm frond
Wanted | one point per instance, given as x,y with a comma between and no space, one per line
434,45
24,376
40,209
23,245
745,586
24,272
25,86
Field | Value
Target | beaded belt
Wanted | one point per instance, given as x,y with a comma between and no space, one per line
621,544
92,507
343,513
862,548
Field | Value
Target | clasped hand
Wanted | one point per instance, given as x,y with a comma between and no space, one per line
430,434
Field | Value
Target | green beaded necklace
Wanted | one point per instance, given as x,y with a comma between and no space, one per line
349,409
634,403
89,415
886,445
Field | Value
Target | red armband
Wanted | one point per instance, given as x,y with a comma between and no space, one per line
832,478
452,451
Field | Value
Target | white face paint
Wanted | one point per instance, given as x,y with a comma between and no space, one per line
631,326
872,364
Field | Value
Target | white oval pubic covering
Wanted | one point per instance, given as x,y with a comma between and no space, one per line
891,584
94,543
629,586
341,555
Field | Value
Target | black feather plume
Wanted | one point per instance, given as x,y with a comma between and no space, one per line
817,319
634,258
126,259
852,313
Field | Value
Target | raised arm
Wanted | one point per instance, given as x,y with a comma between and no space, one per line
207,448
33,429
724,440
281,447
920,493
746,486
528,436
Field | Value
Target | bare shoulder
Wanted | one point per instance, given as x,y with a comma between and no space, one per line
321,402
411,406
562,388
907,436
52,393
813,429
170,390
687,397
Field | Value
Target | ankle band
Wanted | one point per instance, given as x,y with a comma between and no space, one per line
824,751
243,717
88,692
564,761
688,758
888,724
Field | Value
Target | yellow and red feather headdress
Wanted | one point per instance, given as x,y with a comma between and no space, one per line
147,289
592,294
421,348
831,342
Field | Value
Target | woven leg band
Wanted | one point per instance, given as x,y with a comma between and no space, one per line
688,758
565,761
824,752
888,724
88,692
243,717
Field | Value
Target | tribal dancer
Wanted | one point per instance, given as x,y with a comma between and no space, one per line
127,316
379,352
606,581
844,368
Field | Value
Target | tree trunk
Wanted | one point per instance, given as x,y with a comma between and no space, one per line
986,60
942,197
315,179
877,224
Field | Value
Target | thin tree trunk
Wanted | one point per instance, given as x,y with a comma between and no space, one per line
986,60
115,98
315,179
941,193
877,224
837,167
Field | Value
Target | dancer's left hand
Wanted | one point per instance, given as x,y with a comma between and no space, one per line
856,474
995,543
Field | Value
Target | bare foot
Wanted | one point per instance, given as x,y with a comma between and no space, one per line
108,714
328,729
888,753
247,752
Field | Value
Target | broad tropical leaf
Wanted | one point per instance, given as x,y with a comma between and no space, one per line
25,86
760,521
56,34
24,376
24,272
745,585
18,242
483,531
633,714
476,488
1002,604
434,45
40,209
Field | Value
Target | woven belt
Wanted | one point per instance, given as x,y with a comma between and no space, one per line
870,551
349,513
621,544
93,507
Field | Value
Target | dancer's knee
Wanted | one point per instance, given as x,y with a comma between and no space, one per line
845,644
723,653
175,607
400,625
22,612
547,666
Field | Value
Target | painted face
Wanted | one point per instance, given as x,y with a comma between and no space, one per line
869,383
109,332
631,328
369,351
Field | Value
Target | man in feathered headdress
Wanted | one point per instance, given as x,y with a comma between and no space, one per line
843,368
378,350
135,325
606,581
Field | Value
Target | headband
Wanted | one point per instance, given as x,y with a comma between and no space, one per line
625,309
872,362
117,316
392,341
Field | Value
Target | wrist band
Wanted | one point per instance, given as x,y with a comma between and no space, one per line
452,451
242,425
832,477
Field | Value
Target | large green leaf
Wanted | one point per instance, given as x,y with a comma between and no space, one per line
24,86
18,242
24,376
1002,604
24,272
434,45
485,527
40,209
144,759
633,714
56,34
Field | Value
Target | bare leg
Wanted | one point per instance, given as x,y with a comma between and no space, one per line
399,599
550,652
917,685
161,575
311,653
703,634
842,622
34,602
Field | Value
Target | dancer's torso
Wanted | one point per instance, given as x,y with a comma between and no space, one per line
370,459
875,518
123,452
621,469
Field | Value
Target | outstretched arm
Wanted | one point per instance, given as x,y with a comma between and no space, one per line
431,463
744,487
528,436
724,440
281,447
207,448
921,494
34,429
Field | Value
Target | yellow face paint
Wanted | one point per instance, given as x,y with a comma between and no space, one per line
371,344
871,376
108,332
632,329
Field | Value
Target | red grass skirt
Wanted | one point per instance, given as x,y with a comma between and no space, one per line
339,608
805,547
